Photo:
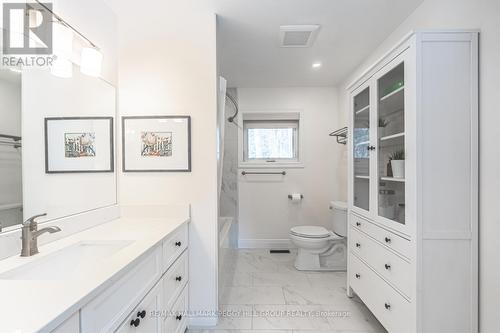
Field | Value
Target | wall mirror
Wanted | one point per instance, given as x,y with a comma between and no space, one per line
60,167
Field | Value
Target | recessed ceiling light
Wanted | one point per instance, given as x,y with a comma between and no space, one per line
316,65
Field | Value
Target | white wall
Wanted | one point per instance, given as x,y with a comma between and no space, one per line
482,14
167,66
266,213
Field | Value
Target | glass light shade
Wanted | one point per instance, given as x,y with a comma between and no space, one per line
62,68
62,41
91,63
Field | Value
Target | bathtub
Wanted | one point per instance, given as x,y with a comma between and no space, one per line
228,242
227,233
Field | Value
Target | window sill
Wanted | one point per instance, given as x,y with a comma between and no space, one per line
277,165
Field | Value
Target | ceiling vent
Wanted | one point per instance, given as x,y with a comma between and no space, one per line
298,35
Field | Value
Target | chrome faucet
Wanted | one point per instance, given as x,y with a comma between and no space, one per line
30,234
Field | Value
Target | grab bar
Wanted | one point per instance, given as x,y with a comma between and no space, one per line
263,173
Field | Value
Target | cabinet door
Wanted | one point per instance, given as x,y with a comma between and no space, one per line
391,94
361,149
144,318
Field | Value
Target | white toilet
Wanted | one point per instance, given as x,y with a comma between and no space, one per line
320,249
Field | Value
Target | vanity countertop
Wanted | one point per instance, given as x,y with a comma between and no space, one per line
40,306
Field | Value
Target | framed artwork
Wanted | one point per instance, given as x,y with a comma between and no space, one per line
79,145
156,144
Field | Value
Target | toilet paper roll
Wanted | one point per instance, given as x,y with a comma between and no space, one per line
296,197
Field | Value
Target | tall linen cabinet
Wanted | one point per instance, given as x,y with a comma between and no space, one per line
413,184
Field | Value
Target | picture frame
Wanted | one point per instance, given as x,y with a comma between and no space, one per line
156,143
79,145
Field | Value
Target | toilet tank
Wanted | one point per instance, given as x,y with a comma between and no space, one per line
339,217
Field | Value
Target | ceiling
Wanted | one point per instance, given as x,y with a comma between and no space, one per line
248,38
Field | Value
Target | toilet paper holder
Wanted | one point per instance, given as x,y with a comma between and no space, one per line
290,196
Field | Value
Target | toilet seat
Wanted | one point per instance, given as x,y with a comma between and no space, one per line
309,231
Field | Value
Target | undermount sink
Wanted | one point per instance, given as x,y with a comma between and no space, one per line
68,263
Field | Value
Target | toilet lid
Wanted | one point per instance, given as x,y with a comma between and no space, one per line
310,231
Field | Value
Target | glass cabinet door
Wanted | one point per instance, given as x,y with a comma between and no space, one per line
361,152
391,144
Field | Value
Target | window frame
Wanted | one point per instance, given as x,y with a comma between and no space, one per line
270,120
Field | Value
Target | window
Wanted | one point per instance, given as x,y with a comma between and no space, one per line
271,141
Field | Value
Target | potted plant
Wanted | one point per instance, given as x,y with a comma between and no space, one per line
397,159
382,124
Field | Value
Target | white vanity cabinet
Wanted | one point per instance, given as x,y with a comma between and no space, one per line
413,222
149,295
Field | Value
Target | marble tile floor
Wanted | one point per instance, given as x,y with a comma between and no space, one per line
264,293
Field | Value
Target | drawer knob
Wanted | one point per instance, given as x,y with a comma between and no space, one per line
358,245
135,322
387,240
178,317
387,266
179,278
141,314
178,243
387,306
358,224
358,276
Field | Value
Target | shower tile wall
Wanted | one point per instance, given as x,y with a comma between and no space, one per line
229,191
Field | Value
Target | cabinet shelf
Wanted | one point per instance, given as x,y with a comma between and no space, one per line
363,109
392,179
392,103
361,177
392,93
362,143
392,136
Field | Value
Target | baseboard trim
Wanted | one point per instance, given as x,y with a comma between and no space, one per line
265,244
202,322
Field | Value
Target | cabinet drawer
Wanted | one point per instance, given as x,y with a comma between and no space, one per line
109,309
389,265
174,245
143,318
176,319
395,242
175,279
390,308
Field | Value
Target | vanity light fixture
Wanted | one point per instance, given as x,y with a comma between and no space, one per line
63,41
91,62
63,50
63,33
